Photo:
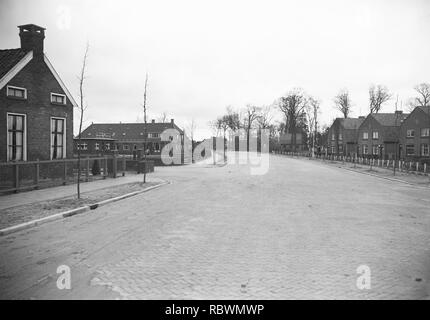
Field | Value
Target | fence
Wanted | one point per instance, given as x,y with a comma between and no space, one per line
17,176
401,165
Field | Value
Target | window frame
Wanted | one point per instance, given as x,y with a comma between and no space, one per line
58,95
24,136
406,149
16,88
408,131
64,137
377,135
365,133
424,129
422,153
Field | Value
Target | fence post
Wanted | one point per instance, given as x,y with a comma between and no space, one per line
123,166
65,173
425,168
114,168
87,173
105,168
16,177
36,174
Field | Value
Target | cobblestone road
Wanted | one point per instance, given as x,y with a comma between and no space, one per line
300,231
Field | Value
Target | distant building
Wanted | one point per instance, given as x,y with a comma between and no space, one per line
414,134
293,141
378,135
343,136
36,107
125,138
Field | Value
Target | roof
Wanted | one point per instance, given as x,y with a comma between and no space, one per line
425,109
125,131
350,123
389,119
9,58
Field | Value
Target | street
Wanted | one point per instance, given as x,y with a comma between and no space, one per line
298,232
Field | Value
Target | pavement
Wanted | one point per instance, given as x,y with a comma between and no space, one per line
28,197
300,231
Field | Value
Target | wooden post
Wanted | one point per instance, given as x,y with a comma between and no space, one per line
114,168
124,165
105,168
36,174
65,173
87,171
16,177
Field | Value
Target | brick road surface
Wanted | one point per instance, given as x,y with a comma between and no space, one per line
300,231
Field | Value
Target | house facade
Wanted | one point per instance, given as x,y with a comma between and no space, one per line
127,138
414,135
36,109
378,135
343,136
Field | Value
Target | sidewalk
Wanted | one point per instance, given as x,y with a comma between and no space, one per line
28,197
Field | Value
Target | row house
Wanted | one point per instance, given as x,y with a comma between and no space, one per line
414,134
125,138
36,109
343,136
378,135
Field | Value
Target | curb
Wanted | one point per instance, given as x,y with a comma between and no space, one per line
386,178
72,212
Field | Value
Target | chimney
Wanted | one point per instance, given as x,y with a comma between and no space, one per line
172,121
399,112
153,121
361,117
32,38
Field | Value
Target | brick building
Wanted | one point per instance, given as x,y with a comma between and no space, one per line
414,134
378,135
126,138
343,135
36,109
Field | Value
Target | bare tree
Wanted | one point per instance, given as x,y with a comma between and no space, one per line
265,117
145,133
163,117
191,129
250,116
82,108
378,95
293,107
343,102
423,99
312,109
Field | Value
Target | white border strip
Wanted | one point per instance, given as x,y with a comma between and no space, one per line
15,69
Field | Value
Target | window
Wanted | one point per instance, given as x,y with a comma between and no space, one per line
125,147
107,146
424,149
340,136
410,133
365,135
410,149
97,146
365,149
58,140
83,146
154,135
375,150
58,98
16,137
340,148
157,146
375,135
332,137
16,92
425,132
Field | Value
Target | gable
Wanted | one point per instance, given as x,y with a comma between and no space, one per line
11,63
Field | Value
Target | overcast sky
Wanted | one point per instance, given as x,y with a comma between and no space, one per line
202,56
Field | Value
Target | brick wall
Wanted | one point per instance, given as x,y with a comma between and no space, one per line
39,82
